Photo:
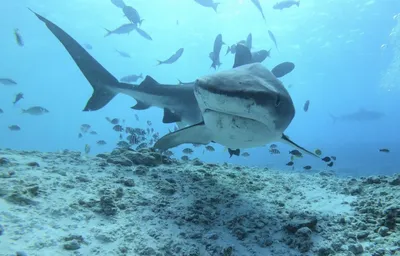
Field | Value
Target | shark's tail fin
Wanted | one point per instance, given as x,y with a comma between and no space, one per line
334,118
109,32
100,79
215,6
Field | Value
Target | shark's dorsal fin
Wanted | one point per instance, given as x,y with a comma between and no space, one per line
243,56
148,82
170,117
290,142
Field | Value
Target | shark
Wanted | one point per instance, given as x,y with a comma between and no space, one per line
243,107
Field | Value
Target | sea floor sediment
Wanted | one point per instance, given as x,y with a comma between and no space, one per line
141,203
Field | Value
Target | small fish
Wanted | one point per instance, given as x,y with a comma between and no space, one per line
333,158
7,81
384,150
85,128
14,127
245,154
285,4
292,158
18,37
307,167
123,144
232,152
123,54
93,132
214,55
326,159
131,78
273,146
330,164
136,117
196,145
18,97
101,142
118,128
168,153
132,14
185,158
295,152
272,37
35,111
144,34
88,46
113,121
80,135
291,163
283,69
129,130
87,148
208,3
210,148
142,146
306,106
149,123
258,5
132,139
123,29
187,151
318,152
274,151
174,57
1,111
120,136
231,49
119,3
260,56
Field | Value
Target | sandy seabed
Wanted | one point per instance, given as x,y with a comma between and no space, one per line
141,203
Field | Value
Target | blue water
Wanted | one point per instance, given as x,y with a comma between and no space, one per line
334,44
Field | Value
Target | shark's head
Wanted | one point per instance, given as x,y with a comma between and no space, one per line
249,91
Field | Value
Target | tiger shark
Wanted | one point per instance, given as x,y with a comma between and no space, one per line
243,107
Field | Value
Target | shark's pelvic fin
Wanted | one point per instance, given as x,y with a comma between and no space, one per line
290,142
196,134
140,106
95,73
170,117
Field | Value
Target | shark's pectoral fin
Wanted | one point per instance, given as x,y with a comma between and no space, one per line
286,139
170,117
195,134
141,106
243,56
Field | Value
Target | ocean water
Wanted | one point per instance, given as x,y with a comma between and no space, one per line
341,67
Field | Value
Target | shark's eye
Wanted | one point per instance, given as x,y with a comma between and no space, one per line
278,100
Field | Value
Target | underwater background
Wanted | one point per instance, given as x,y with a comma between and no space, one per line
347,56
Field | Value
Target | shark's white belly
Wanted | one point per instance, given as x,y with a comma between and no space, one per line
238,132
